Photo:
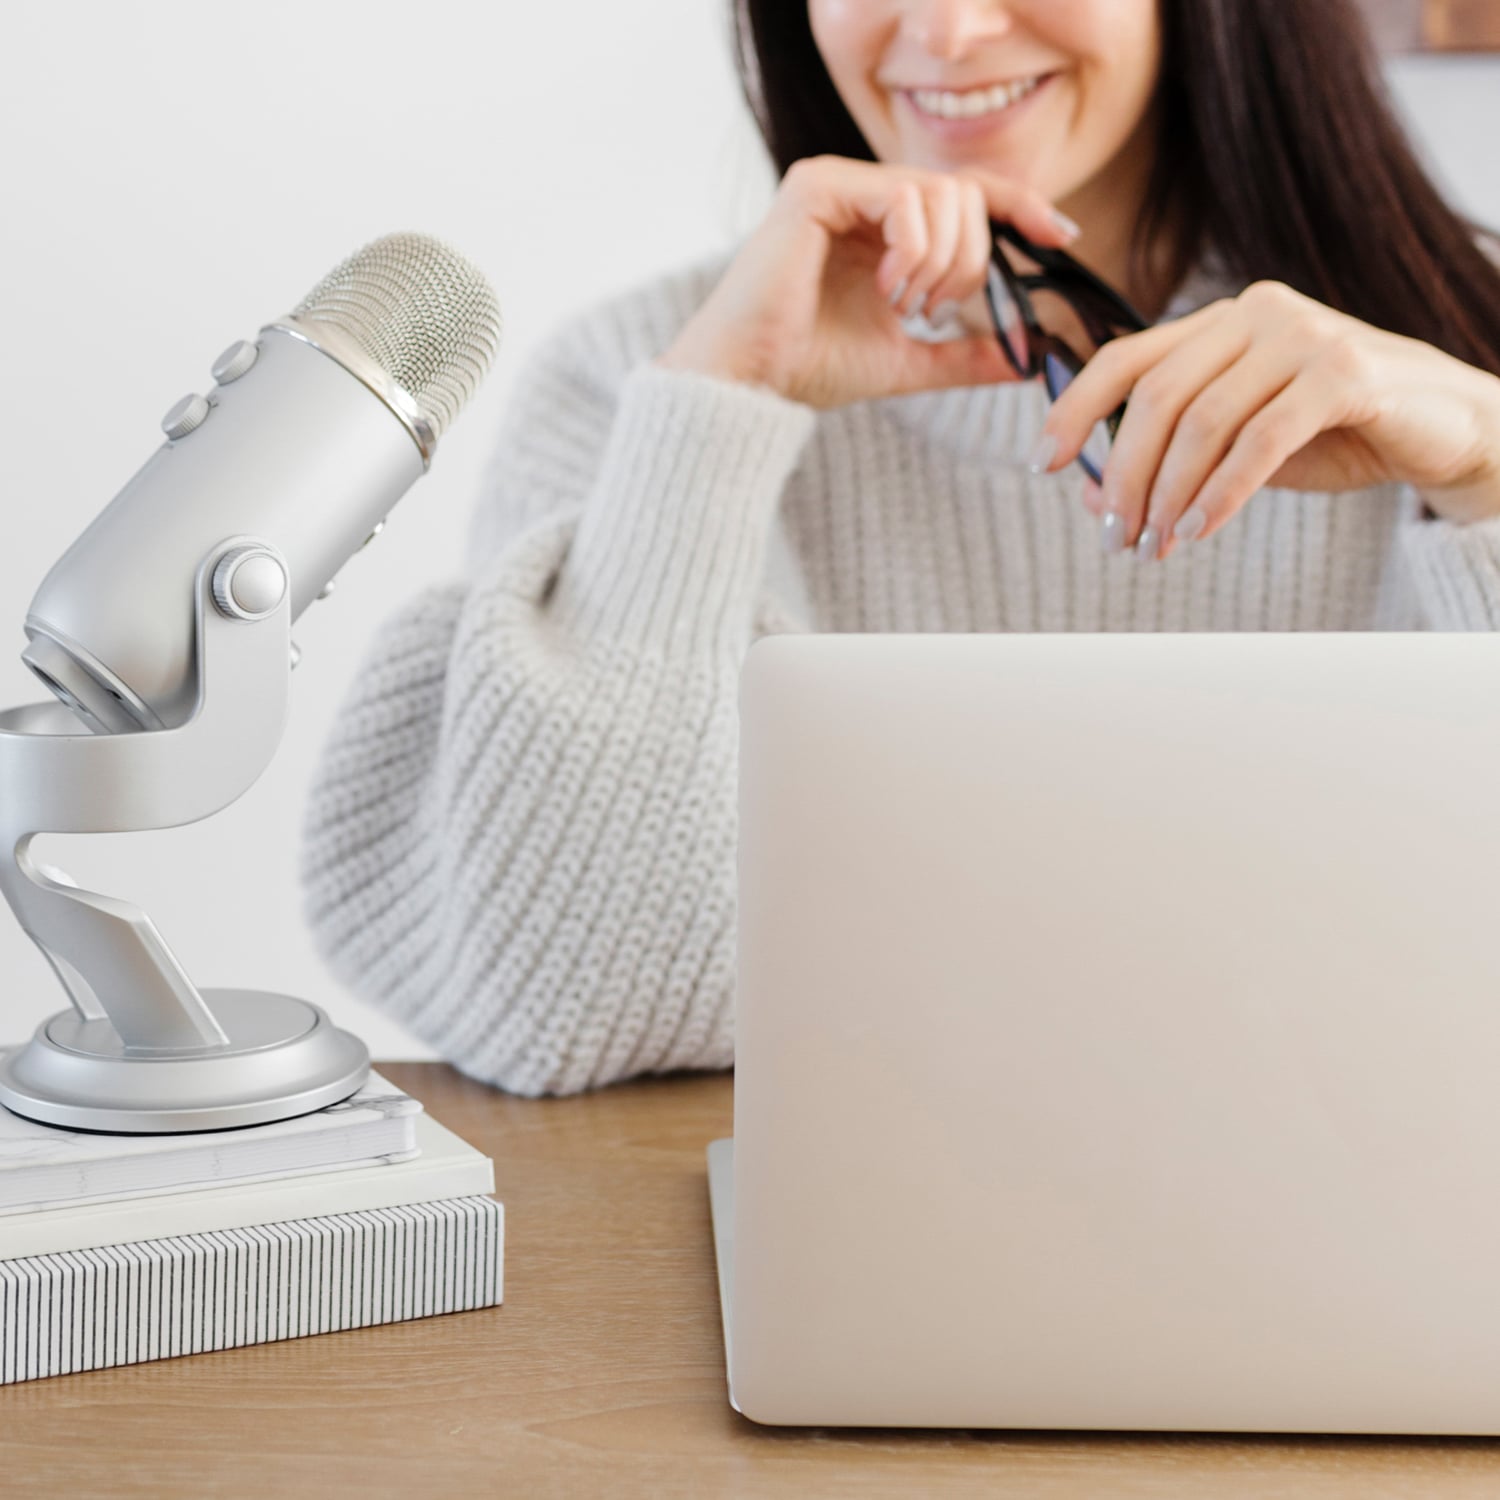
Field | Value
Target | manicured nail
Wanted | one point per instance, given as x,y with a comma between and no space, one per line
1112,531
898,291
944,312
1148,544
1189,524
1043,454
1066,224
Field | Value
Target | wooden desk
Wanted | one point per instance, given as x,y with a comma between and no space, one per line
603,1375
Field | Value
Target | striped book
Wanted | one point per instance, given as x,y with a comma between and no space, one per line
126,1304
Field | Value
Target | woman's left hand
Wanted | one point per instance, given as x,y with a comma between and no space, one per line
1273,388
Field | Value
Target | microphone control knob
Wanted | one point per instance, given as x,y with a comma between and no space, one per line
249,583
187,416
234,361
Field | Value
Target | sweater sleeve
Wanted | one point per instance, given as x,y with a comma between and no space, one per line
1456,566
520,839
1456,569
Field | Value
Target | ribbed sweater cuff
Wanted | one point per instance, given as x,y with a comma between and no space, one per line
671,545
1456,567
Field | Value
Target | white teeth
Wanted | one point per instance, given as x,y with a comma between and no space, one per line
947,105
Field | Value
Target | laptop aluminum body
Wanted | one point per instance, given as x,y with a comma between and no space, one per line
1118,1034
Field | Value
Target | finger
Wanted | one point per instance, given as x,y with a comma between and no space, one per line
843,197
1209,427
1283,427
1035,216
1108,378
843,193
904,227
1156,405
972,257
962,361
943,206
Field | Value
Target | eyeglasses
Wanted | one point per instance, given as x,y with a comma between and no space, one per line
1069,296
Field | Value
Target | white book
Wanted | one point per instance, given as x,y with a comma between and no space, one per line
43,1164
90,1309
445,1167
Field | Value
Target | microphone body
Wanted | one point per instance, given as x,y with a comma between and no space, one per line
170,614
296,449
309,437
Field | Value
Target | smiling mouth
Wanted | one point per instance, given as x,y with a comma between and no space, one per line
973,104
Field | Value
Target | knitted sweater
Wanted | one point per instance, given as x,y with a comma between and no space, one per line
520,840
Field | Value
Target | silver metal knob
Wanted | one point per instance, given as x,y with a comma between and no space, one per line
187,416
234,361
249,583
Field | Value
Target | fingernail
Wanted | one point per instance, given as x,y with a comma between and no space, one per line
1148,544
898,291
1189,524
1043,454
944,312
1066,224
1112,531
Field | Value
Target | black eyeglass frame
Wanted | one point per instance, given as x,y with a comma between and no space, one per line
1104,313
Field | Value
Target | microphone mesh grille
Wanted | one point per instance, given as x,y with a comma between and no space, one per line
421,311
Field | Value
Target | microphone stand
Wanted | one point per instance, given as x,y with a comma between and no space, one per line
143,1050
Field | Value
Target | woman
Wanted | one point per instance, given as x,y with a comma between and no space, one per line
522,838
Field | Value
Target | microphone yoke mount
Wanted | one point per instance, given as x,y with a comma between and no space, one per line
143,1050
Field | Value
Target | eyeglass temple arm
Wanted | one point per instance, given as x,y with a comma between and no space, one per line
1062,266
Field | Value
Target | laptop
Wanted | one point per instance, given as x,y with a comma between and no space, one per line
1118,1034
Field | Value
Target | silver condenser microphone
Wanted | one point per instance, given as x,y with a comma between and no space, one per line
310,435
164,628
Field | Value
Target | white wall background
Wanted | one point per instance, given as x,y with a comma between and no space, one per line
175,177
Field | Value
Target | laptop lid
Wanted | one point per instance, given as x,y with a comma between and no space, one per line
1119,1032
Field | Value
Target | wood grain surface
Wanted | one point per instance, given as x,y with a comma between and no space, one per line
1437,25
1463,25
603,1374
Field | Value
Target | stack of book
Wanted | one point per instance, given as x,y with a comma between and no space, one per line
119,1249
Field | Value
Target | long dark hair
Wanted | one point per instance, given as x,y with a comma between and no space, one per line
1277,149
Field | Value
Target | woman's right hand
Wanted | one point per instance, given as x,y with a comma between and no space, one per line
811,306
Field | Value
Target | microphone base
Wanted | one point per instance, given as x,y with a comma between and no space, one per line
284,1058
